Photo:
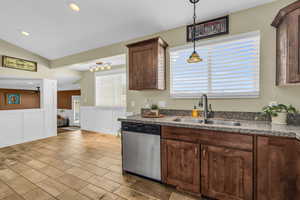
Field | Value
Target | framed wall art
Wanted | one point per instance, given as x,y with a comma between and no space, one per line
207,29
20,64
13,99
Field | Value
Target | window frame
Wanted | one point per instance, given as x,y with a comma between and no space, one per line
213,42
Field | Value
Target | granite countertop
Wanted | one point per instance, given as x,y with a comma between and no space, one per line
246,127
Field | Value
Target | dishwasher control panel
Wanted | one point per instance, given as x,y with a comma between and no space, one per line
141,128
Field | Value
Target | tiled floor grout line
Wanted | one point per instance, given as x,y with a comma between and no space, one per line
70,153
30,182
57,177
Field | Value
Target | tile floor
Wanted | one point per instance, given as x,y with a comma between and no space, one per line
74,166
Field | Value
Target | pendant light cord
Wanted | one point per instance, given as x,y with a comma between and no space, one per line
194,32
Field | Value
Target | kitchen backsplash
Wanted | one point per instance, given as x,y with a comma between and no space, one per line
293,119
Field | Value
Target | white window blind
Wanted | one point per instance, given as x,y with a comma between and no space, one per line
230,69
111,90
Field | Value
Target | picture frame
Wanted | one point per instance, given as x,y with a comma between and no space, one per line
13,99
18,63
208,29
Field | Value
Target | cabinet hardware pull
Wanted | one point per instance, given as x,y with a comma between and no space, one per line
204,153
196,151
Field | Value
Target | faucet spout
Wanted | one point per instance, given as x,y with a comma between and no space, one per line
204,103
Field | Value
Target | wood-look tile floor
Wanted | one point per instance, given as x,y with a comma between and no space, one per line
74,166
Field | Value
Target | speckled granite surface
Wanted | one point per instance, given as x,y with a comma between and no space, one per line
246,127
293,119
254,116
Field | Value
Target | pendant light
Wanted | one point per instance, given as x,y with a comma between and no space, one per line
194,58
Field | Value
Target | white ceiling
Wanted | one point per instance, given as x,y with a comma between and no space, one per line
113,60
57,31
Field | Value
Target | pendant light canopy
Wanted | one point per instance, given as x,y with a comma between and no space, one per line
194,58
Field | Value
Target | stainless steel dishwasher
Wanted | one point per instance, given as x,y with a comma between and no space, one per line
141,150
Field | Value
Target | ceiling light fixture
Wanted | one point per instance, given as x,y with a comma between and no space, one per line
25,33
194,57
74,7
100,66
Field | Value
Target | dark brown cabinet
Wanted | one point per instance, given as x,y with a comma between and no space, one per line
278,169
214,164
231,166
147,63
226,173
181,165
287,23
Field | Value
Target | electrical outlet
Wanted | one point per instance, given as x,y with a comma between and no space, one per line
132,103
272,103
162,104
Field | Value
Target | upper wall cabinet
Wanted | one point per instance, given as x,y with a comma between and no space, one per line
287,23
147,65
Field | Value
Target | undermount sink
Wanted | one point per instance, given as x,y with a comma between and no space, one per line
223,122
209,121
188,120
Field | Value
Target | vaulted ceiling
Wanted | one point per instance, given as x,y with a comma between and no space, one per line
57,31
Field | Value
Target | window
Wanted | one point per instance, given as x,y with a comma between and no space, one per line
230,69
111,89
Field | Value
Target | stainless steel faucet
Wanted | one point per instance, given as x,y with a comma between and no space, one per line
206,110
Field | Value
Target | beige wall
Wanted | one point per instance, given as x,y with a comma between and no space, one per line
44,70
254,19
87,84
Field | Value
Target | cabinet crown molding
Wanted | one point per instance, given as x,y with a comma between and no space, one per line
156,39
284,12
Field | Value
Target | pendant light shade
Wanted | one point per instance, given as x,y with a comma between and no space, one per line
194,57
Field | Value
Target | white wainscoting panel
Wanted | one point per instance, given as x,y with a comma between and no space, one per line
18,126
11,124
101,119
34,125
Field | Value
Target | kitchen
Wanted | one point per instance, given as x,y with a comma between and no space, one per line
201,101
219,155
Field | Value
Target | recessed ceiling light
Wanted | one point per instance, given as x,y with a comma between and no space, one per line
25,33
74,7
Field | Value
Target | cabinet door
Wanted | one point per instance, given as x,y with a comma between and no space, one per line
142,71
278,169
293,68
181,165
226,173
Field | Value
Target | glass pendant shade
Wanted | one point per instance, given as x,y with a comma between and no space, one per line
194,58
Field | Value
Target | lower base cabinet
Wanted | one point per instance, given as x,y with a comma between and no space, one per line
278,169
216,172
235,167
181,165
226,173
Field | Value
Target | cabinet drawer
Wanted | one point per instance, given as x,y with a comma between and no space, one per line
217,138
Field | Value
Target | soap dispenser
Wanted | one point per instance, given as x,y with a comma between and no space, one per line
195,112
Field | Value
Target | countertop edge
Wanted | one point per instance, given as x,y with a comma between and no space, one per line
240,130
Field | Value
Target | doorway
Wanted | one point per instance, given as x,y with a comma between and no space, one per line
76,110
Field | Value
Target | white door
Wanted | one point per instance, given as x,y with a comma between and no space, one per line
76,110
